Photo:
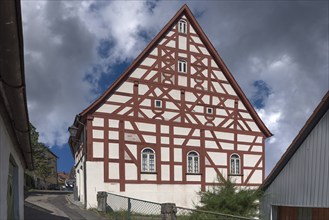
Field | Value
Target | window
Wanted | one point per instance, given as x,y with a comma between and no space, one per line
209,110
193,162
148,160
235,164
182,26
182,66
158,103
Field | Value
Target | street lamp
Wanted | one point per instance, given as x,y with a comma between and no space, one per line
73,130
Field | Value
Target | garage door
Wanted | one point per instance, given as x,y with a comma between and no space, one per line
301,213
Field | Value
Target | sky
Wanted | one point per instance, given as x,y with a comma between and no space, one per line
74,50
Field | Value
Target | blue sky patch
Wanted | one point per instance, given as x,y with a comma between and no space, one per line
263,91
104,48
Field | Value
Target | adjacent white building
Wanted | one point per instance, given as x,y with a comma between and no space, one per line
15,148
174,121
298,186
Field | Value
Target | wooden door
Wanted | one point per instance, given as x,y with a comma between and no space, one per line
287,213
320,213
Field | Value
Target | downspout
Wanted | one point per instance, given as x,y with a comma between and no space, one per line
84,161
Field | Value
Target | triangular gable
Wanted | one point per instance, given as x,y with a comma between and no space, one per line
208,48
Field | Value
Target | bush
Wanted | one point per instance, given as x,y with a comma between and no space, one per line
227,198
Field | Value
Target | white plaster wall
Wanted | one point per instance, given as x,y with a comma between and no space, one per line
227,146
177,154
113,123
113,150
229,89
250,160
193,178
182,195
218,158
7,149
98,149
138,73
127,87
245,138
98,134
119,98
182,42
131,171
148,61
98,122
165,172
256,177
145,126
106,108
164,153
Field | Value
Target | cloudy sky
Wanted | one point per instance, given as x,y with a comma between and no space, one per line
276,50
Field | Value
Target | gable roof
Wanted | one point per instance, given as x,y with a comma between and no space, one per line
184,10
314,119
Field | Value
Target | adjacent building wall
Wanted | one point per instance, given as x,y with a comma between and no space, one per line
304,180
8,150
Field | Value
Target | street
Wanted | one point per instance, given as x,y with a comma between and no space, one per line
53,205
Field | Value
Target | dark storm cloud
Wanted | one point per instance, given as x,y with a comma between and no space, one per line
284,44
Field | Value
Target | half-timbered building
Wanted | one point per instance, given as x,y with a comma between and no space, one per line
174,121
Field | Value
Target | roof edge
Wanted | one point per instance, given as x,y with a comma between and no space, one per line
135,62
214,53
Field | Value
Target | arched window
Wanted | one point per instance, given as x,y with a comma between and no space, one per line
235,164
182,26
193,162
148,160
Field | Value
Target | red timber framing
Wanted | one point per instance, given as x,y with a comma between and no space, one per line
202,110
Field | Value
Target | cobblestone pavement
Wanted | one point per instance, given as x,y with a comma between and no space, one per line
51,205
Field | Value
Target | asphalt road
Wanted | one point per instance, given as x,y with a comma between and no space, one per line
51,205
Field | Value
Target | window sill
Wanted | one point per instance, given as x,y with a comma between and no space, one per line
235,174
144,172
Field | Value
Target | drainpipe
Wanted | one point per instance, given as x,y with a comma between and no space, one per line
84,161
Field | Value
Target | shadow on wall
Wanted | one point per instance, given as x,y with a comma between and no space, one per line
33,212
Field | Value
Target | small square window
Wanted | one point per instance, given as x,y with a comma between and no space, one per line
209,110
158,103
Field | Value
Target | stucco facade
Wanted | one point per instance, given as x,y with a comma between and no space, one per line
170,125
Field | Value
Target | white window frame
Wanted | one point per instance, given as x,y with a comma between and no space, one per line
211,110
182,26
193,162
157,101
235,164
182,66
148,160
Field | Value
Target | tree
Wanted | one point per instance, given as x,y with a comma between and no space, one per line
226,198
40,156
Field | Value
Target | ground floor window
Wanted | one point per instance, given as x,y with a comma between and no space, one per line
148,160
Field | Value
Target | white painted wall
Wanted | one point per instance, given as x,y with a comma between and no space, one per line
7,149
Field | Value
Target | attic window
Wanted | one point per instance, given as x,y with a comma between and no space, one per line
182,66
209,110
182,26
158,103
